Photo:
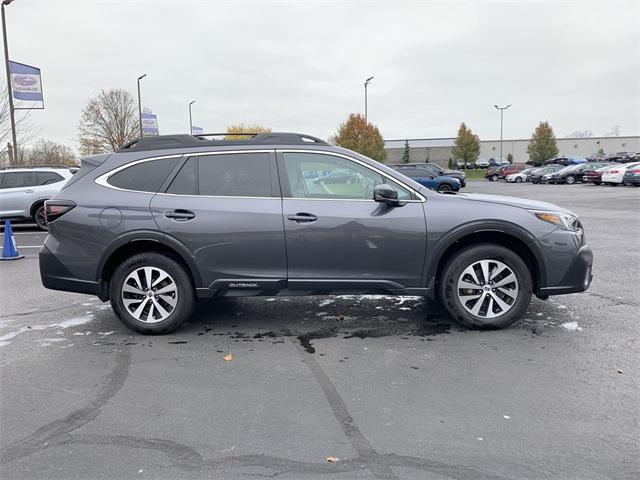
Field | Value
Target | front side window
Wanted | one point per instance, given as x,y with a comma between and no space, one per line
314,175
144,177
18,179
235,175
45,178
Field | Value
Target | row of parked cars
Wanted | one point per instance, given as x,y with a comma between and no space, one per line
599,173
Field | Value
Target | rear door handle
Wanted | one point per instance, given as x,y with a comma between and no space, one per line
303,217
28,191
180,215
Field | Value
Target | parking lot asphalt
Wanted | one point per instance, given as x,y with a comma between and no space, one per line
332,387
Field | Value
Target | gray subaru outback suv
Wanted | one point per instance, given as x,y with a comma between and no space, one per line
169,219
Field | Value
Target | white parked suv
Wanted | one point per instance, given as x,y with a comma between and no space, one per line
23,191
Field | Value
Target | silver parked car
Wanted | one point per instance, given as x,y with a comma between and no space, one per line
24,190
169,219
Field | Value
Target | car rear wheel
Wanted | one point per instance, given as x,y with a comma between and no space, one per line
152,293
445,187
570,179
494,177
40,218
485,286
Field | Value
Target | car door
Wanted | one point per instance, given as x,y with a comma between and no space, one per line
49,183
17,193
337,236
226,208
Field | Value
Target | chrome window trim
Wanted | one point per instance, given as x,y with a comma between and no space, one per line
365,165
102,180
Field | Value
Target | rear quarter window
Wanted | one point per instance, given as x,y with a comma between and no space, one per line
147,176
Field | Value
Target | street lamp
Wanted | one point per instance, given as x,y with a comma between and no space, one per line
190,121
14,136
502,109
140,103
366,82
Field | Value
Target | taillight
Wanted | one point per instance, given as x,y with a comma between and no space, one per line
614,171
54,209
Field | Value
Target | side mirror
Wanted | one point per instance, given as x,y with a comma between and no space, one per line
387,194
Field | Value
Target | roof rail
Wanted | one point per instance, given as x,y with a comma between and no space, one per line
160,142
11,167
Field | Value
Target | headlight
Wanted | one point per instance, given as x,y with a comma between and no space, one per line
566,221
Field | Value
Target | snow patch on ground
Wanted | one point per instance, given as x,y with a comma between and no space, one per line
72,322
571,326
324,303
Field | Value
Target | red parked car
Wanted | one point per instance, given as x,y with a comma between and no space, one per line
594,176
496,173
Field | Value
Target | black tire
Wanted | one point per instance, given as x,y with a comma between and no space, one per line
454,268
185,292
38,217
445,187
494,177
570,179
518,179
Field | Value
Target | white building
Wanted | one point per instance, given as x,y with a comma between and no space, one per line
438,150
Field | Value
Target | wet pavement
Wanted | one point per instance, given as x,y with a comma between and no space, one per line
342,387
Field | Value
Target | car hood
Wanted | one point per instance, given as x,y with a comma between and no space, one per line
513,201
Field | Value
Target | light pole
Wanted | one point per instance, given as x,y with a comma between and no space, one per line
140,103
190,120
502,109
14,136
366,82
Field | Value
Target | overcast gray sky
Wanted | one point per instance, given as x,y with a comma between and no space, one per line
300,66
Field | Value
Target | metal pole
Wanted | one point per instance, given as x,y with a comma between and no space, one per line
190,120
502,109
14,135
365,103
366,82
140,103
501,122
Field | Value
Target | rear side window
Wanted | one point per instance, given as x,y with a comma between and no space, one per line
234,175
184,182
144,177
45,178
18,179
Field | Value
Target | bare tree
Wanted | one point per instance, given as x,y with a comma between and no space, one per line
107,122
24,126
46,152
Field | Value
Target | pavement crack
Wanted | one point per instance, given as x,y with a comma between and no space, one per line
56,432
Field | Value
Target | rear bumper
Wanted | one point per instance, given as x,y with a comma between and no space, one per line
55,276
578,277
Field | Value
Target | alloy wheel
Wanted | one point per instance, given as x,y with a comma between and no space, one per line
487,288
444,188
41,219
149,294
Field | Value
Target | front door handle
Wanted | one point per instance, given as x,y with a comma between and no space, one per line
303,217
28,191
180,215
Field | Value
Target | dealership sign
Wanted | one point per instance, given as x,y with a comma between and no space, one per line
26,83
149,124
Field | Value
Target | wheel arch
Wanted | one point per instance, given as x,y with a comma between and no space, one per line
140,242
508,235
35,205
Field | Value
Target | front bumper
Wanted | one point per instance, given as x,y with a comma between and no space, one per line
631,179
56,276
577,278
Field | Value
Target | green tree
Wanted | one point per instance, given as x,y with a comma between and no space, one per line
542,145
450,164
406,154
360,136
509,158
466,146
601,151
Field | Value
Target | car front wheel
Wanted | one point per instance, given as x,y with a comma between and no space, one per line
570,180
445,187
485,286
518,180
152,293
